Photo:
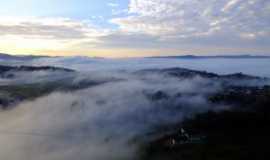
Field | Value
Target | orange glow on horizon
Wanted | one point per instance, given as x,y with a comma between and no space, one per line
123,53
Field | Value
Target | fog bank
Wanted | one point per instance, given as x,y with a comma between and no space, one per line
108,120
101,122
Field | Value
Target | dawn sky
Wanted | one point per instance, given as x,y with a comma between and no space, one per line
127,28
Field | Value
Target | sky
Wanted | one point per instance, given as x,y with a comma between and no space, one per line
135,28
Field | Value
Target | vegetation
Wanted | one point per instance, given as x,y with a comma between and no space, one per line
241,133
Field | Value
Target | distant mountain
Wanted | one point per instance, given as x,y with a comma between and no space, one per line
209,57
4,69
4,56
178,72
20,83
188,73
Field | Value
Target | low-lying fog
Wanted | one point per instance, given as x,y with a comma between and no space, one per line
258,67
252,66
108,121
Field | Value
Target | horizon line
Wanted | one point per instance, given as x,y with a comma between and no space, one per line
158,56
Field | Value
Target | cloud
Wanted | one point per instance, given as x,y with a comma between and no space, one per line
43,33
108,120
195,18
48,28
231,4
186,26
111,4
101,122
235,22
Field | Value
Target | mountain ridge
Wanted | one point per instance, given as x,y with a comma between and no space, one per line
5,56
244,56
213,57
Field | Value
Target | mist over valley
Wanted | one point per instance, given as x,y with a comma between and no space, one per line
89,108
